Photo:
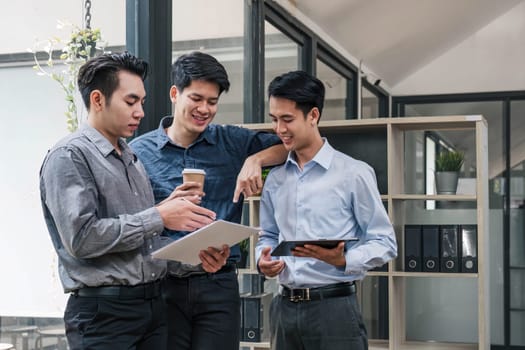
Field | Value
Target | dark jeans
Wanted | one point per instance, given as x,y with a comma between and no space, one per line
331,323
203,312
115,324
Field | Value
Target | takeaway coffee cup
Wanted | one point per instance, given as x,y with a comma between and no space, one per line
194,175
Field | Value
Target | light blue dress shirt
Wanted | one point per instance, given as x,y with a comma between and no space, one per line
334,197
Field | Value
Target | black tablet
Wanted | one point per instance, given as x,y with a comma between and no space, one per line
285,247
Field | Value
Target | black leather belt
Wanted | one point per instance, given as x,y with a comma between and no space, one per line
229,267
140,291
330,291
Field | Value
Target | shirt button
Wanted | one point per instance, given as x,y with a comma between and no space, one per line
150,246
153,274
136,194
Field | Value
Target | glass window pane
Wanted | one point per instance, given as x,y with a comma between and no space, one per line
437,312
335,95
517,336
369,104
374,306
517,222
281,55
492,111
210,33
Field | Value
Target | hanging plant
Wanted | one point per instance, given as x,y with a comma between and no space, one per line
82,44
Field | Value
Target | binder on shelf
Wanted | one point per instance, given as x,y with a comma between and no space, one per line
241,328
430,239
413,256
256,317
448,237
469,248
252,283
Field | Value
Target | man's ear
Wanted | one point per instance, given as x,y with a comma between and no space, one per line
174,93
314,115
96,100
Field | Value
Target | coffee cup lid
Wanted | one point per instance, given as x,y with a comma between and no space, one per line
193,171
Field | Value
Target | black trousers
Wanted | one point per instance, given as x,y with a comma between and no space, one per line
331,323
112,323
203,311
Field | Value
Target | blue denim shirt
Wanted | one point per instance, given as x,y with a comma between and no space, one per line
220,150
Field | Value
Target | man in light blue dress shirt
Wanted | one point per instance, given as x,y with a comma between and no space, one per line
319,193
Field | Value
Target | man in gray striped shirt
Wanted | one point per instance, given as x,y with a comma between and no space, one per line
99,209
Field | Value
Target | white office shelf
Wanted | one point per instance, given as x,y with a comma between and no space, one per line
396,199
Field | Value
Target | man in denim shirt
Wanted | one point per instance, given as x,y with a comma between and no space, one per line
203,300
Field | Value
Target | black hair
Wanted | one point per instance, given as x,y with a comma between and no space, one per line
101,73
198,66
304,89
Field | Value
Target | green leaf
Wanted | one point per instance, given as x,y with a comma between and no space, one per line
450,161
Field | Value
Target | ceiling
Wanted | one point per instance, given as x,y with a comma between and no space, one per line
396,38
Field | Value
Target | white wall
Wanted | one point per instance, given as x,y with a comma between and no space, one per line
478,64
28,21
32,118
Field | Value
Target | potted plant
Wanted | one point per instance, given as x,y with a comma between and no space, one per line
82,44
448,165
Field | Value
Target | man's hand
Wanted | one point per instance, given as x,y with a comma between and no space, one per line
334,256
214,259
192,191
249,180
182,215
267,266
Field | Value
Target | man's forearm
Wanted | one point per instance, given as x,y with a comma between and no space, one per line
273,155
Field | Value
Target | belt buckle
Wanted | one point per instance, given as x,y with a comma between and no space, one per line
298,295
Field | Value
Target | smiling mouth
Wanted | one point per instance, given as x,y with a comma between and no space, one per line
200,119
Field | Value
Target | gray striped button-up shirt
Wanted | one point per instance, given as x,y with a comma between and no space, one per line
99,210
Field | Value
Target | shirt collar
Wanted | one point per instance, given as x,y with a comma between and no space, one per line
323,157
104,146
209,134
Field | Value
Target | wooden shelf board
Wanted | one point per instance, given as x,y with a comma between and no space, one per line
436,197
435,346
434,274
406,123
249,344
436,123
377,273
376,344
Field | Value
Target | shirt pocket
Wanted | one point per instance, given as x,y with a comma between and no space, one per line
219,184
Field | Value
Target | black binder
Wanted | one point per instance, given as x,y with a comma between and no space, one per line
430,238
449,248
252,283
256,318
469,248
413,257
